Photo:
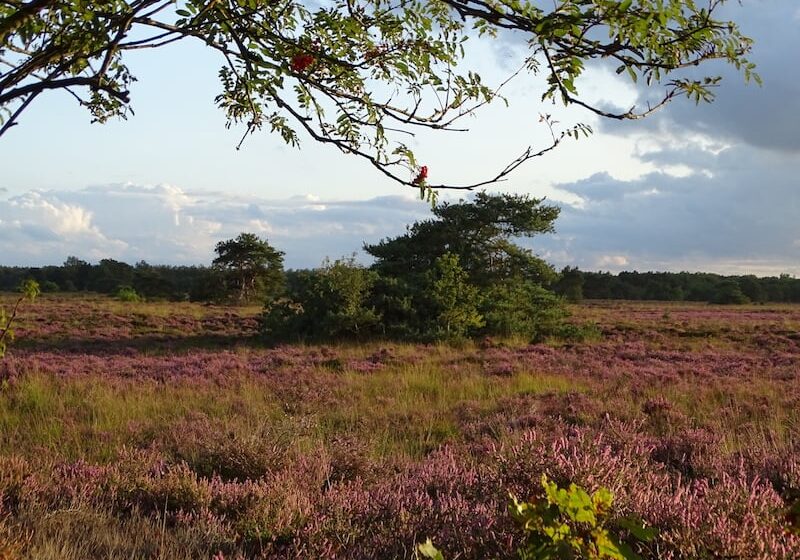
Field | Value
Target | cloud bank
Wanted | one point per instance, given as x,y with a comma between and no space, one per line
723,192
166,224
738,213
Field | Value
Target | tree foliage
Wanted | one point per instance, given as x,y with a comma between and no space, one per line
570,284
480,232
331,302
522,307
454,276
249,266
362,74
455,300
461,273
690,286
391,294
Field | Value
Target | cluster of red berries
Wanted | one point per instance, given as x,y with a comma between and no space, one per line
422,175
300,62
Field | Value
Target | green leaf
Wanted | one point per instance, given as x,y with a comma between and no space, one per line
427,550
30,289
638,529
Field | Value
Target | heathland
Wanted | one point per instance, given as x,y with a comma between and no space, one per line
170,430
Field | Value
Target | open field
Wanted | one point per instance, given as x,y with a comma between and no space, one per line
168,431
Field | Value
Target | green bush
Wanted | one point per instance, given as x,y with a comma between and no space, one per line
518,307
127,294
578,332
330,302
455,301
569,524
48,286
729,293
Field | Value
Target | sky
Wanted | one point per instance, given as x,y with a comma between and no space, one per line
700,188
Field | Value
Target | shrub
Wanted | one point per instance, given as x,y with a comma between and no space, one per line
567,523
577,332
729,293
48,286
454,299
127,294
518,307
327,303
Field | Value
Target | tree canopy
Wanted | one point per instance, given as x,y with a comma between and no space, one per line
461,272
480,232
250,266
362,74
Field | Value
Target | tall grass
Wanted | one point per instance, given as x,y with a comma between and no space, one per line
110,449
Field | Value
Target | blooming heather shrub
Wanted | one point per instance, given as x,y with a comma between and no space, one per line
267,453
443,496
248,511
289,500
662,417
501,368
129,479
571,454
690,452
733,518
567,523
571,407
349,460
208,528
176,488
688,514
72,485
369,365
781,469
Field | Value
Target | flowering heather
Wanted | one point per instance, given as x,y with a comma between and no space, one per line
155,430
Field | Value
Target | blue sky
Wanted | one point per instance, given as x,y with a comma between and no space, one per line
712,187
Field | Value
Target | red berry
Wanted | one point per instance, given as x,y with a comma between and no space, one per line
300,62
421,175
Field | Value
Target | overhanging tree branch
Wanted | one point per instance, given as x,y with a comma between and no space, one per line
361,74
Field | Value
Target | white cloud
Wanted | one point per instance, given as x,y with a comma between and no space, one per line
740,216
167,224
766,117
611,261
60,217
40,227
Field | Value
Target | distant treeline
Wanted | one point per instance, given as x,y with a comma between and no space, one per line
678,286
108,276
198,283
